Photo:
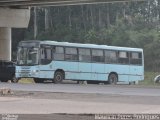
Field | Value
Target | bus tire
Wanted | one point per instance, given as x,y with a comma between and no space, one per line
38,80
113,79
58,77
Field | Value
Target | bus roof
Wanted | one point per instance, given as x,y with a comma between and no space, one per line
49,42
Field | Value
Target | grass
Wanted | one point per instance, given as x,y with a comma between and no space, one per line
26,80
149,79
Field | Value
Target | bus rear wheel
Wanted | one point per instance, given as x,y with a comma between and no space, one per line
58,77
112,79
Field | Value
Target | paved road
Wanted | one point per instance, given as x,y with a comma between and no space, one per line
68,98
90,88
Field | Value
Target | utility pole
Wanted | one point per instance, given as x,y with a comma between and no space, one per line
35,22
46,19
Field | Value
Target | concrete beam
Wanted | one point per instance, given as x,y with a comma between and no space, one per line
14,18
18,3
11,18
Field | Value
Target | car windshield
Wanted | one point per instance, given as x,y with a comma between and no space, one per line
27,56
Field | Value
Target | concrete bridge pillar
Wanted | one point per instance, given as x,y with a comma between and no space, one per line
5,43
11,18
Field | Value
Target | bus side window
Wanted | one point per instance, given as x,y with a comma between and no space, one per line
48,53
123,57
97,56
58,53
42,54
84,55
71,54
46,56
136,58
110,56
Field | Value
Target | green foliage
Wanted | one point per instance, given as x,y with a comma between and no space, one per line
91,36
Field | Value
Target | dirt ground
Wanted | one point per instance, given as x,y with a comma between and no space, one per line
87,98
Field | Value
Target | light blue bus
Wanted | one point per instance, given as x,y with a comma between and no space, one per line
58,61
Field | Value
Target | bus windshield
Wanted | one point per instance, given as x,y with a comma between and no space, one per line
27,56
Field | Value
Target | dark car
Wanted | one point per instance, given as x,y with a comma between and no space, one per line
7,71
157,79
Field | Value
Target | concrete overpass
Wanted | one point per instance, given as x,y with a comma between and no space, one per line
21,3
16,14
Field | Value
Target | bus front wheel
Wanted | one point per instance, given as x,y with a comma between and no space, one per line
58,77
112,79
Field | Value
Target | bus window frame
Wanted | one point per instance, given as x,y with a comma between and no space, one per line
110,62
45,61
86,61
53,53
103,62
140,55
71,60
123,62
